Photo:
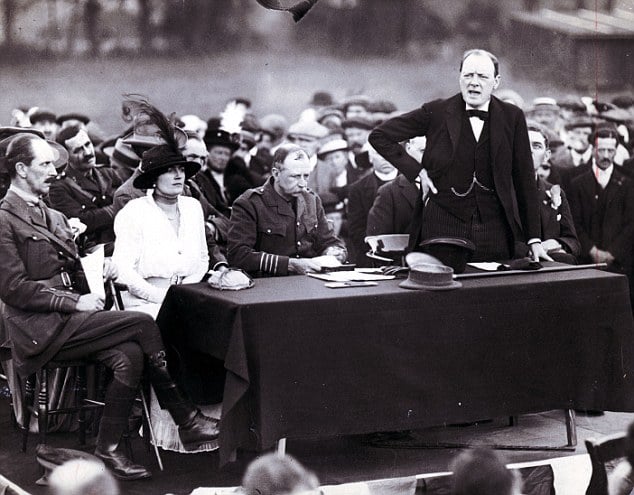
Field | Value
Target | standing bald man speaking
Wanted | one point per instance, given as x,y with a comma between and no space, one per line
478,165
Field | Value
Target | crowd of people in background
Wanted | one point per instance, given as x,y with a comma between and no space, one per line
228,198
584,142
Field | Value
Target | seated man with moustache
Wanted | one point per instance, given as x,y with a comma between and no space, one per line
87,190
281,227
50,313
558,233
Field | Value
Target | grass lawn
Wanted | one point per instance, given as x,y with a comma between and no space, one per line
279,82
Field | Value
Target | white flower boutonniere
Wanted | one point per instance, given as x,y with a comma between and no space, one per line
555,197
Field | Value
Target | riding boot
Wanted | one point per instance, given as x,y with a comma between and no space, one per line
194,428
112,426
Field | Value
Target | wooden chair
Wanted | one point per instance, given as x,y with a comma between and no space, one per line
41,409
82,403
601,451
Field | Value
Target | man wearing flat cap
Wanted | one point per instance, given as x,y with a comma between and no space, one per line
69,119
281,228
575,157
308,135
45,121
357,129
478,158
546,112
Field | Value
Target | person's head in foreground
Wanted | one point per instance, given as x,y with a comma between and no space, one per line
82,477
482,472
275,474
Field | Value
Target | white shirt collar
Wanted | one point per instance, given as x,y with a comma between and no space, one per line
386,177
26,196
602,176
484,107
585,156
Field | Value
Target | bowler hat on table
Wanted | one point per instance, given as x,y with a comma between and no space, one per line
426,276
157,161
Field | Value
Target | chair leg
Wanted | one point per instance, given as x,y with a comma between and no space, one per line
150,429
81,391
571,427
513,420
42,405
27,404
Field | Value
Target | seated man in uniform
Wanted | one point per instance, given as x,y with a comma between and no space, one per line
280,227
87,190
49,312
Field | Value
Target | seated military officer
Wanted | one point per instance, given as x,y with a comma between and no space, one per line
280,227
87,190
49,312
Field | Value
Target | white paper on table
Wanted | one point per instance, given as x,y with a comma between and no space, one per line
93,268
350,276
489,266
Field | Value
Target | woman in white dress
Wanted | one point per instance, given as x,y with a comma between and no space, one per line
160,237
160,241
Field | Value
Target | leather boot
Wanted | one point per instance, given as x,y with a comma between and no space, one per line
110,432
194,428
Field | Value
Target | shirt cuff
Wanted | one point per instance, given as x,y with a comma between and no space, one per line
534,240
219,264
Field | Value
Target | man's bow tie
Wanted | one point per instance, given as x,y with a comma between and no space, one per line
481,114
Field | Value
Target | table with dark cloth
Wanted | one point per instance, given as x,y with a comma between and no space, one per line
304,360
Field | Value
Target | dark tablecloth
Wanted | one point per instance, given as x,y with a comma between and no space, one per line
303,360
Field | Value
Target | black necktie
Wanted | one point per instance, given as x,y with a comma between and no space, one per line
481,114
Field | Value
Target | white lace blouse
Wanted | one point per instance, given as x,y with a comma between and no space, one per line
147,247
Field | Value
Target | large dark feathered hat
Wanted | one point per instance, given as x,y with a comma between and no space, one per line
157,161
150,121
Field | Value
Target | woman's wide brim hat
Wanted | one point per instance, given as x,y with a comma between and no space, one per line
157,161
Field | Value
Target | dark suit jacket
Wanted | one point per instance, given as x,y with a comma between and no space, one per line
90,200
562,158
360,199
557,223
39,317
393,208
511,161
618,225
211,191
